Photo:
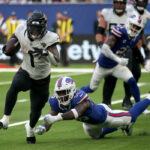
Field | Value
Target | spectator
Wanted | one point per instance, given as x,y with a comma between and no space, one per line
8,29
2,36
59,18
65,30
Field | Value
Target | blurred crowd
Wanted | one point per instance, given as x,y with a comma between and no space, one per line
52,1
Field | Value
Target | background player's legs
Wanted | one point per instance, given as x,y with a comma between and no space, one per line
125,74
108,89
98,74
134,66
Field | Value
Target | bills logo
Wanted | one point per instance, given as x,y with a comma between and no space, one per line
68,80
133,16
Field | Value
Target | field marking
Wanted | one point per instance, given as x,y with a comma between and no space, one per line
41,118
89,70
22,100
53,76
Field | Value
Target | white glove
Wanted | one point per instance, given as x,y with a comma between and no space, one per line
40,130
123,61
147,66
49,119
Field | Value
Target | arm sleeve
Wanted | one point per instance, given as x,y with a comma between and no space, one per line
108,53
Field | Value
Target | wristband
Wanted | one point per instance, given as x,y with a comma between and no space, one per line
75,113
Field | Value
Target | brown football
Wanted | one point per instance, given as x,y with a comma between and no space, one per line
12,46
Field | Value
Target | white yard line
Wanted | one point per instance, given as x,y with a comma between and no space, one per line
90,70
53,76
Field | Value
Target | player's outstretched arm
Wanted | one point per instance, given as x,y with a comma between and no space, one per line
44,127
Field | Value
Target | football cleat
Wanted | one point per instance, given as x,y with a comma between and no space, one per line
31,140
30,134
4,122
128,130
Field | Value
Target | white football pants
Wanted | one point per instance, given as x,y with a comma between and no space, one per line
121,72
115,119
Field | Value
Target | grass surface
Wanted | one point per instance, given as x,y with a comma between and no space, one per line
69,135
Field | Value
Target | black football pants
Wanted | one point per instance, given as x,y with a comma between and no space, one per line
39,93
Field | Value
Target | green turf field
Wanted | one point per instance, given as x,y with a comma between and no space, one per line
69,135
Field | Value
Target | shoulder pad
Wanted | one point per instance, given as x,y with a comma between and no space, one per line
117,31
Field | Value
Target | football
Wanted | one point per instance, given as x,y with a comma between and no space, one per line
11,47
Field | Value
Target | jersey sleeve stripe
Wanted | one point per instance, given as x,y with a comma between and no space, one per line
86,96
115,33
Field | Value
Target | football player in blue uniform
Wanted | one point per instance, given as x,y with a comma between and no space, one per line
111,61
68,103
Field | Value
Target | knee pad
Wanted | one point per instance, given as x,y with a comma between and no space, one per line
94,131
131,81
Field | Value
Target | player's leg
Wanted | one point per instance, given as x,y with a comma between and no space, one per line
125,74
39,96
136,71
94,131
127,104
139,108
97,76
21,82
108,89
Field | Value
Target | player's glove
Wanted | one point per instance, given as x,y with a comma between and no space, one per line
40,130
123,61
147,66
49,119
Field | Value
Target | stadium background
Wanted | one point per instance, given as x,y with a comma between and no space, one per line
83,47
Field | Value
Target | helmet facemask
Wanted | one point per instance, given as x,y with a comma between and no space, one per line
134,26
119,6
140,5
36,25
65,89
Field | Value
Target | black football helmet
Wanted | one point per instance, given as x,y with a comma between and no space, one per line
140,5
119,6
36,25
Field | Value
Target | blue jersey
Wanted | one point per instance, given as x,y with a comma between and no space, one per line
123,44
94,114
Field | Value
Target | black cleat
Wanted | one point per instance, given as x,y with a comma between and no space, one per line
1,125
31,140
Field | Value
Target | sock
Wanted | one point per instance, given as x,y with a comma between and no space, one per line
134,89
87,89
138,108
106,131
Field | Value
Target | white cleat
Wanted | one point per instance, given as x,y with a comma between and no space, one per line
4,122
29,130
30,134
